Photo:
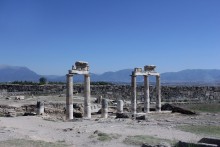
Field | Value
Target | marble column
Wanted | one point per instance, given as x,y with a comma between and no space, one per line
87,103
158,101
99,101
104,108
40,108
120,104
69,96
146,95
133,94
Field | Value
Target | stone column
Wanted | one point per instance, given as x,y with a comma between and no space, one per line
120,104
104,108
69,97
146,95
133,94
158,101
87,104
40,108
99,101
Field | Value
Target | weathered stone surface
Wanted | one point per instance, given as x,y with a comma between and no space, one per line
177,109
40,108
149,68
81,65
142,117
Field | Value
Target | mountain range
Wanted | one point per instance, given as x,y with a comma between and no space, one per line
15,73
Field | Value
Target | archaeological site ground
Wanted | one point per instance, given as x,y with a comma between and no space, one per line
120,115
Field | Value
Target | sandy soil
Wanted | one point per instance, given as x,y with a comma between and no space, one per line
80,132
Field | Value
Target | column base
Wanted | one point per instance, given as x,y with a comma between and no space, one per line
87,112
69,112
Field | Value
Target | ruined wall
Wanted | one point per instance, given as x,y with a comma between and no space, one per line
31,89
168,93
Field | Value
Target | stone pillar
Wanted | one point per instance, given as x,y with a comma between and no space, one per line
40,108
146,95
120,104
69,97
87,104
99,101
158,101
104,108
133,94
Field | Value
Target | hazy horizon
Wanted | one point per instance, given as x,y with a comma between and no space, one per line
53,74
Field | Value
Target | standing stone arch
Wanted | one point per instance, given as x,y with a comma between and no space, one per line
80,68
149,70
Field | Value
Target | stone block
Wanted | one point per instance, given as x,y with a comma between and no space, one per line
149,68
81,65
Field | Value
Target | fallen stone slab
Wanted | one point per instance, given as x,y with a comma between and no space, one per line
210,141
142,117
30,114
177,109
187,144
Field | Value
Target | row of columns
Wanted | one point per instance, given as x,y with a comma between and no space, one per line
87,104
146,94
83,69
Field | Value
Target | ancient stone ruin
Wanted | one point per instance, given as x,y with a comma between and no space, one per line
81,68
149,70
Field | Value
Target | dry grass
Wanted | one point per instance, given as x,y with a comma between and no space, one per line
30,143
104,136
213,131
144,139
211,108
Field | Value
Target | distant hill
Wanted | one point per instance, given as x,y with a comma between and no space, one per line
15,73
192,75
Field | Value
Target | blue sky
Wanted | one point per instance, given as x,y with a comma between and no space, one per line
48,36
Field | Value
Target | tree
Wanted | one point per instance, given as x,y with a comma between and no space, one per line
42,80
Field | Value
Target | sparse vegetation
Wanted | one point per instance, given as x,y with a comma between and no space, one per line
212,108
56,83
101,83
203,130
1,114
141,139
42,80
104,136
30,143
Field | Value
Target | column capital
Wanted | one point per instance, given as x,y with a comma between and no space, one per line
87,75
